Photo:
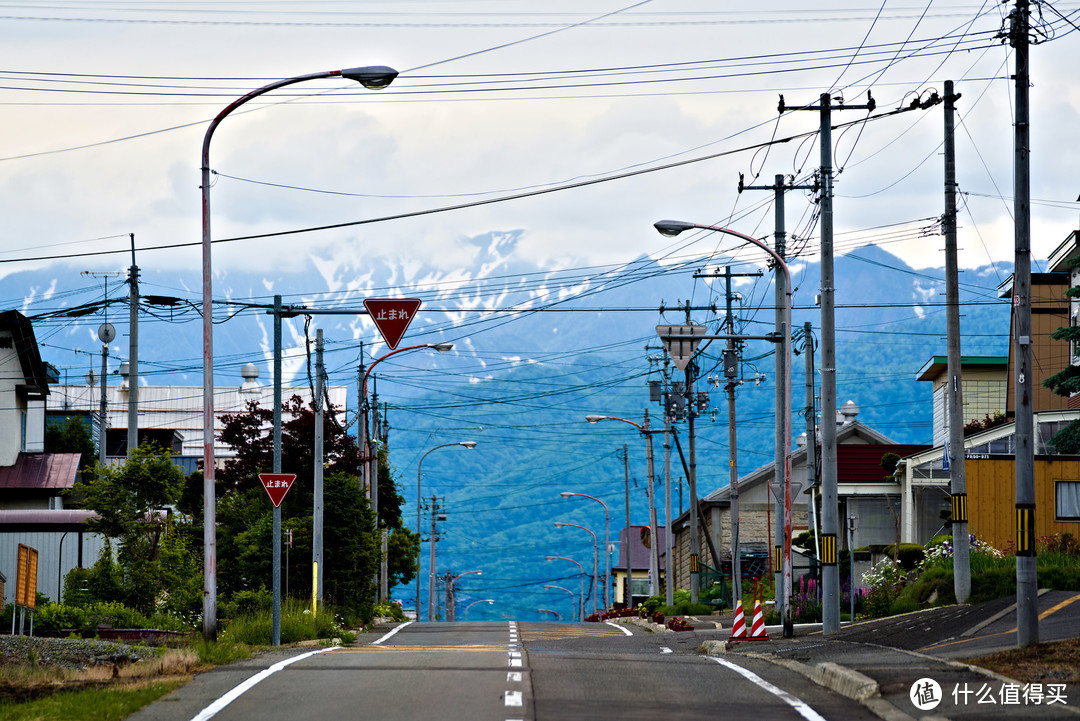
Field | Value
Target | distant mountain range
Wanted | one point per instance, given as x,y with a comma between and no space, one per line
535,351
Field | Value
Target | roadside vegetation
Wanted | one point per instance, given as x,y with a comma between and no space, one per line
150,577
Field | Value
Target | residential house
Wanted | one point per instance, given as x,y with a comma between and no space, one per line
638,564
989,455
32,482
863,491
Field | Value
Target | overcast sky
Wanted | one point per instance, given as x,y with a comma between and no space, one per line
105,105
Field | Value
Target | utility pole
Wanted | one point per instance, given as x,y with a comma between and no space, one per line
830,514
317,519
362,423
954,390
448,582
811,435
781,492
629,597
654,547
432,575
669,587
373,476
691,476
275,633
731,374
133,354
1027,612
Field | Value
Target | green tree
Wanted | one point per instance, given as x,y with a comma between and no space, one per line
350,542
71,436
403,546
132,500
1066,382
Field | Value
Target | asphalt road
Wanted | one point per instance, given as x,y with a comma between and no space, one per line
501,671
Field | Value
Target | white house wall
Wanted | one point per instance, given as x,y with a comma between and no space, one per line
11,409
179,408
50,562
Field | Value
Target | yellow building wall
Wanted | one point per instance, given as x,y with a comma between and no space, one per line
991,489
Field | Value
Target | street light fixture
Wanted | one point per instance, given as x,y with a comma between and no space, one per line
374,77
654,554
674,227
451,603
431,571
581,578
596,580
488,601
573,601
607,543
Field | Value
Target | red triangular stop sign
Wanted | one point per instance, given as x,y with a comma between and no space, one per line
392,316
277,485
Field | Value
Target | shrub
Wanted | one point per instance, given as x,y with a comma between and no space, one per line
910,555
993,583
390,609
298,623
883,582
245,603
1060,578
686,608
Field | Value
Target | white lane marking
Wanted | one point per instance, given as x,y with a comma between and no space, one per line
622,628
513,676
515,662
803,710
665,649
513,698
391,633
213,709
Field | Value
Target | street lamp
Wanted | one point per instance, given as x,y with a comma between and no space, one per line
374,78
488,601
431,615
582,578
371,466
573,601
451,603
607,543
654,554
673,228
596,553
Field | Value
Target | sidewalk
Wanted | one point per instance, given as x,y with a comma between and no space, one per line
876,663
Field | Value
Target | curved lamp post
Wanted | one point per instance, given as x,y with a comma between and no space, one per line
371,465
596,553
573,600
488,601
674,227
373,78
419,465
607,543
582,578
451,602
654,554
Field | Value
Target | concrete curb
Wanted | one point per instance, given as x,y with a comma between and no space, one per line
844,681
832,676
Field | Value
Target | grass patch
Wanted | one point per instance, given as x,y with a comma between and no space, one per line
98,704
1045,663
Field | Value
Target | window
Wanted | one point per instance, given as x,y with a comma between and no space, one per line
1068,500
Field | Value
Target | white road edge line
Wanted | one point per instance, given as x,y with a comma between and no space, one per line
389,635
213,709
803,710
665,649
622,628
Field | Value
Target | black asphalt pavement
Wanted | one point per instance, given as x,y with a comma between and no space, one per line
887,663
